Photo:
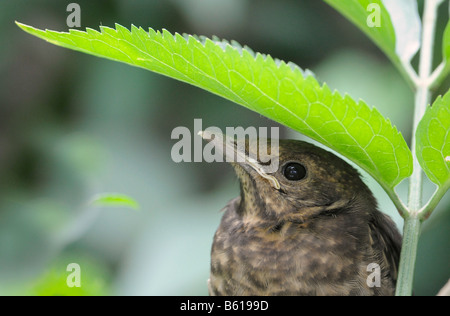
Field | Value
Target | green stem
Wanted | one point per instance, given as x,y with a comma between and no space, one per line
438,75
423,95
408,256
401,207
426,211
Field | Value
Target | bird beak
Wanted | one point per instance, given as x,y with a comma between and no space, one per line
235,152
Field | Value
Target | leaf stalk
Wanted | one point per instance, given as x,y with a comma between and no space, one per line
413,221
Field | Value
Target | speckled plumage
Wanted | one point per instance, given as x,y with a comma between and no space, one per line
315,236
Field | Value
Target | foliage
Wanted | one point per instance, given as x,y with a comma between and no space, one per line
291,96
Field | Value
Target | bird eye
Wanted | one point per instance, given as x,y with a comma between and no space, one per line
294,171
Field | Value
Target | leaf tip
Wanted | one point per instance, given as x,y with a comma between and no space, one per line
23,26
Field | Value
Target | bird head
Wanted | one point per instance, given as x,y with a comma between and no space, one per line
289,178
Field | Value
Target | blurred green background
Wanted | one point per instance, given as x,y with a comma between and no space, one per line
72,126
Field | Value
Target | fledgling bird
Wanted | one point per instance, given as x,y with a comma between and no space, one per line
310,227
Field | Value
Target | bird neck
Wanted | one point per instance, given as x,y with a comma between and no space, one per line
251,202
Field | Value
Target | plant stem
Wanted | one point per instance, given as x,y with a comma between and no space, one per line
412,224
438,75
408,256
426,211
422,99
401,207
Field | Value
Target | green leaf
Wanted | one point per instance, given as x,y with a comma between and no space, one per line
446,43
55,279
433,142
114,199
407,26
446,50
360,12
280,91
